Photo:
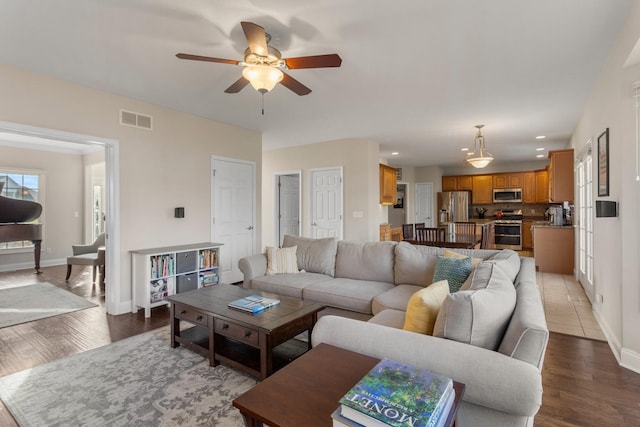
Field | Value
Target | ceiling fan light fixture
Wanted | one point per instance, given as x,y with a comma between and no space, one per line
479,157
263,78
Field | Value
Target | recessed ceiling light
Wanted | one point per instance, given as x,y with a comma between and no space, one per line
464,149
395,153
540,155
540,137
540,149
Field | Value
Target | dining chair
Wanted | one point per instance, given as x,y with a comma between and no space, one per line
424,235
465,228
407,231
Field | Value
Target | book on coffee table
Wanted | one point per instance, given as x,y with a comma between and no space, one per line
253,303
399,395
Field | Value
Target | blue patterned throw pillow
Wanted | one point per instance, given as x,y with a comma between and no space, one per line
453,270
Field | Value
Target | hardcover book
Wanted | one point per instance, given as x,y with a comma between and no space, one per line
253,304
398,395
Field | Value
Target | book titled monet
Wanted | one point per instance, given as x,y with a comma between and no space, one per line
253,303
398,395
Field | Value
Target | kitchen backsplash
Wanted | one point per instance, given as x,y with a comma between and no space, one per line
528,210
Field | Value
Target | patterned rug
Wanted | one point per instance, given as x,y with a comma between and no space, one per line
32,302
139,381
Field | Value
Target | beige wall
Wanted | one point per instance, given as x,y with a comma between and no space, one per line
616,240
159,169
359,160
62,181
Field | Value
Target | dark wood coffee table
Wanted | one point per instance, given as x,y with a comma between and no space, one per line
307,391
241,340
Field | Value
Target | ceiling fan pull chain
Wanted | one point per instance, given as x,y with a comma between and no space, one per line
262,103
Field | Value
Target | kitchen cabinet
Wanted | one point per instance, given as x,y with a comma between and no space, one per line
527,234
507,180
542,186
385,232
482,189
528,187
561,176
457,183
388,188
553,249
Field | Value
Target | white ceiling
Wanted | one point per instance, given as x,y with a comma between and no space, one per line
416,76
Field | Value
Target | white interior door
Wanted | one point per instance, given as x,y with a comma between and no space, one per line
584,208
288,205
424,203
326,203
233,196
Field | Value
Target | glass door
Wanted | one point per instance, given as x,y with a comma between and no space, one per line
584,180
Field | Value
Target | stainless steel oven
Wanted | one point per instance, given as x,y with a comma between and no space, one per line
508,234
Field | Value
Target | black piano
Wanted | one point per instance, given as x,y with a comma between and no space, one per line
14,217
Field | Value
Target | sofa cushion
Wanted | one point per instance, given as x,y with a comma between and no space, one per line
350,294
453,254
281,260
423,307
480,315
365,261
453,270
389,317
314,255
395,298
415,264
508,261
290,285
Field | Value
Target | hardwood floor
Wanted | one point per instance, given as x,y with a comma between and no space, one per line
583,384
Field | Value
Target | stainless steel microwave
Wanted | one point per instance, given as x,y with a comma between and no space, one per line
507,195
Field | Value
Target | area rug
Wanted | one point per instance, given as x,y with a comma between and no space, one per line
139,381
32,302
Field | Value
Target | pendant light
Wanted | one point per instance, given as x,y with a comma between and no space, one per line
479,157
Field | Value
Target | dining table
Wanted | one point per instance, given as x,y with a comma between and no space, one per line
452,240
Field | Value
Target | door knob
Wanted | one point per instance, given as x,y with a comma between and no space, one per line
314,224
250,227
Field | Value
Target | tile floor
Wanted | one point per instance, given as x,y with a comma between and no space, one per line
567,307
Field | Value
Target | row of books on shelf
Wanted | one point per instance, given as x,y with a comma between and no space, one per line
208,258
161,288
398,395
162,266
253,304
207,279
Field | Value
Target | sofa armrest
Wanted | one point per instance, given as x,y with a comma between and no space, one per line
252,266
492,379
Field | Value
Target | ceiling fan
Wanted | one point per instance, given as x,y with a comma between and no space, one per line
263,63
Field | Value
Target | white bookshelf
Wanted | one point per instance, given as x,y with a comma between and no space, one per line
157,273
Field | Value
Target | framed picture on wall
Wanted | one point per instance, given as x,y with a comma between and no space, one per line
603,163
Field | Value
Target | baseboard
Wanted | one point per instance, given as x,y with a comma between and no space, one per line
612,339
30,266
122,308
630,359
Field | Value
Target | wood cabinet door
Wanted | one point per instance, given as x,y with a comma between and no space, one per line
482,192
542,186
449,183
500,180
529,187
527,236
388,187
465,182
514,180
561,176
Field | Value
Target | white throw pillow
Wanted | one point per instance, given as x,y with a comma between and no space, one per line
281,260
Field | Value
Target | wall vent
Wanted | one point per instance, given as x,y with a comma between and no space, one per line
130,118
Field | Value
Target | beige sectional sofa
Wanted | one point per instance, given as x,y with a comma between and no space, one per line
498,359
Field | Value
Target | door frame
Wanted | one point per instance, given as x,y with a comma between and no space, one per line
113,305
276,203
311,202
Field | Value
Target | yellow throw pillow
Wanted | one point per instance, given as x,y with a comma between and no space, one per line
423,308
452,254
282,260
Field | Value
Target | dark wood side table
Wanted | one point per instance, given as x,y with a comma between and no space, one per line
242,340
307,391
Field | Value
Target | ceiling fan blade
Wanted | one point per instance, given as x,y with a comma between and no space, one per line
256,38
317,61
294,85
206,58
237,86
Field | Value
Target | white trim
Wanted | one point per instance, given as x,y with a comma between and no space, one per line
113,304
630,359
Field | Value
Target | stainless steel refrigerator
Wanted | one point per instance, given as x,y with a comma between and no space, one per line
454,206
